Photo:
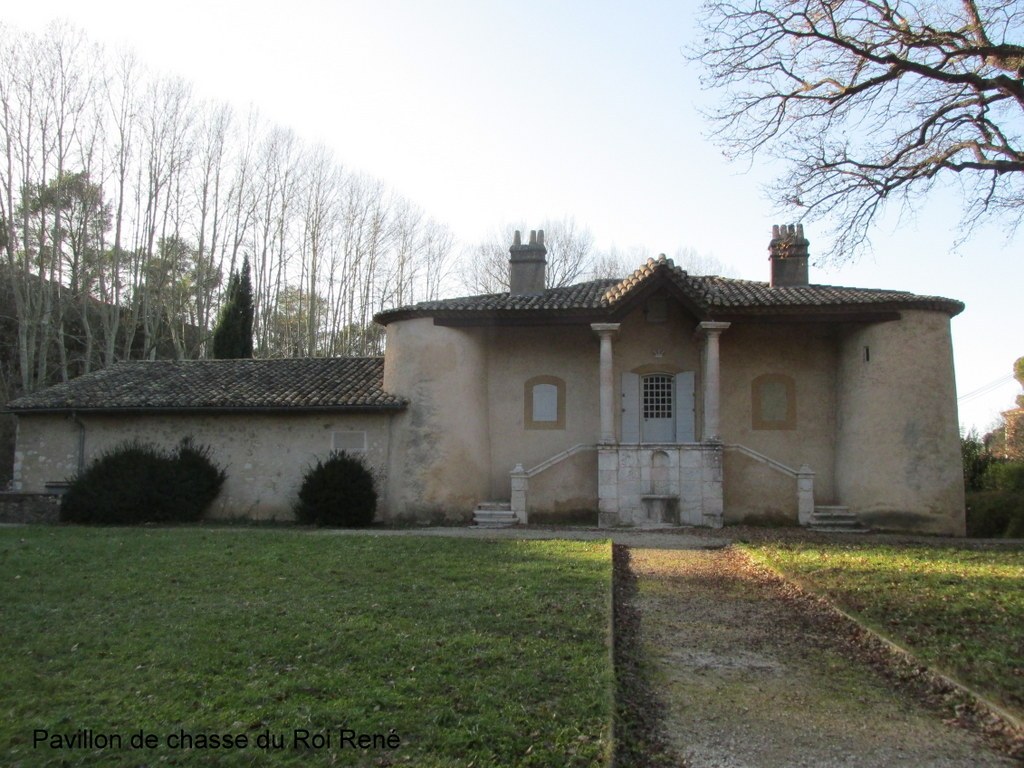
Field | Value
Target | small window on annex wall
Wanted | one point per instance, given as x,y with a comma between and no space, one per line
773,403
544,403
349,441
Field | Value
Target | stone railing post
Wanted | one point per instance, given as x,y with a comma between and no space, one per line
805,495
520,489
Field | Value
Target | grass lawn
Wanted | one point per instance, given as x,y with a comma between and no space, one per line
960,611
468,652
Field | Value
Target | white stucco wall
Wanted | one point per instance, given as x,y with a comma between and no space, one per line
516,355
808,353
264,454
440,460
898,463
465,430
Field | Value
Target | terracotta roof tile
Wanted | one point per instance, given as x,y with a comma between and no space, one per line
709,295
339,383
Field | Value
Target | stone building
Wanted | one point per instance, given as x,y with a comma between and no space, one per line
661,399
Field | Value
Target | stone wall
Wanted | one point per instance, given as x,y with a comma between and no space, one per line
29,507
264,454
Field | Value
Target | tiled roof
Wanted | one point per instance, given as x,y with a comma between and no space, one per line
709,296
335,383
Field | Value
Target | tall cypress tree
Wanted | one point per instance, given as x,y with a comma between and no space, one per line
232,338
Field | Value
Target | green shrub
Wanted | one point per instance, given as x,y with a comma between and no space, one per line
992,514
197,480
1004,476
139,483
976,458
338,491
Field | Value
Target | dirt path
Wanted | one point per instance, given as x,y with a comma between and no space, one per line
748,678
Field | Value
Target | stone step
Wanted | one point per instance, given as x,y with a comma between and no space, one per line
494,514
505,506
835,519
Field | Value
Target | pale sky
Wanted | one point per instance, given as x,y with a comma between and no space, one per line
484,112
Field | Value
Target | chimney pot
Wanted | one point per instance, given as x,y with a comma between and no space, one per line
526,264
787,252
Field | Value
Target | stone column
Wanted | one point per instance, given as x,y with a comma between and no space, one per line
607,332
712,378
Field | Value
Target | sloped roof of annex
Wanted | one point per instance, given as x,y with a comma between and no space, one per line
353,384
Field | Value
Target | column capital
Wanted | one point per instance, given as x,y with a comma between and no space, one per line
605,329
709,327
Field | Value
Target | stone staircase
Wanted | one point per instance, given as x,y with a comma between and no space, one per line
494,514
834,519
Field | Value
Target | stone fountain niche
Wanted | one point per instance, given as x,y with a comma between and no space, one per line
651,486
660,503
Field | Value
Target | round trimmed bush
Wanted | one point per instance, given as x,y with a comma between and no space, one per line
139,483
197,480
337,492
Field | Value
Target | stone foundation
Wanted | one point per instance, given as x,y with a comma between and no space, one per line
651,486
29,507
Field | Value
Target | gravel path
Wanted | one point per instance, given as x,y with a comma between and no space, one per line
750,678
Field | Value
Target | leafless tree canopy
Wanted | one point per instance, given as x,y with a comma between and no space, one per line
124,201
570,250
871,100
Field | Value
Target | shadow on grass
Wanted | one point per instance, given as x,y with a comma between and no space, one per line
639,714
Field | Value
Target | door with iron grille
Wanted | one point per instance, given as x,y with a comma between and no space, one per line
657,418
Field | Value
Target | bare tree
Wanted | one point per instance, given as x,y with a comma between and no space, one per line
697,263
616,263
120,92
123,201
437,266
569,253
871,100
212,159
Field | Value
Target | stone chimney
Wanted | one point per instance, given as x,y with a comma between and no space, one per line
526,264
788,254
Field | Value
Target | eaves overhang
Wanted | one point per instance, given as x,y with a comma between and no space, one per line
205,410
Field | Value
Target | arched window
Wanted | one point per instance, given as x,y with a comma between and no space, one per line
773,402
544,403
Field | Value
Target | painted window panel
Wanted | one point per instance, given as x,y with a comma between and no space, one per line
773,402
545,402
350,442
